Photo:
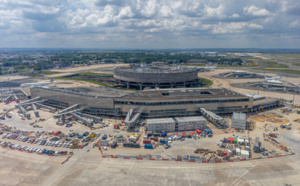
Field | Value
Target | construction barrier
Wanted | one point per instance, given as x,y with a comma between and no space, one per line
152,159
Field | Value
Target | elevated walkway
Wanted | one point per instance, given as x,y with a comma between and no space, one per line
85,121
131,118
210,116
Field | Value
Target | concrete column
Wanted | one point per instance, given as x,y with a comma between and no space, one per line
172,85
156,85
127,85
184,84
141,86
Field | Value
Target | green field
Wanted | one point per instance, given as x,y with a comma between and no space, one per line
205,81
93,74
44,72
296,64
90,81
280,70
272,64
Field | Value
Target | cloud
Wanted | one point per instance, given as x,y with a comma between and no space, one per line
147,23
255,11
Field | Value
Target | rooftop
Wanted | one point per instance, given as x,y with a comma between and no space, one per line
184,93
157,69
190,119
159,120
239,116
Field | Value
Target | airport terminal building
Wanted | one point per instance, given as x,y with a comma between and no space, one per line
153,103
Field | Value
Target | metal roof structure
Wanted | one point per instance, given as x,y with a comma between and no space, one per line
160,120
190,119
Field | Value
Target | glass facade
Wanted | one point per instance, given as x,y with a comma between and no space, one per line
182,102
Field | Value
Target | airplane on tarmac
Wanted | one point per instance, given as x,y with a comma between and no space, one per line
38,84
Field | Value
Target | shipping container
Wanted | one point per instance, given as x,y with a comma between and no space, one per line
230,140
163,141
208,131
154,139
104,137
148,146
147,141
235,140
164,134
131,145
238,151
198,131
156,134
114,145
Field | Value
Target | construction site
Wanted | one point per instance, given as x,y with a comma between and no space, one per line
270,85
77,124
239,74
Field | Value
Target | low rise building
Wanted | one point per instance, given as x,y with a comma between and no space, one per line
190,123
176,124
160,124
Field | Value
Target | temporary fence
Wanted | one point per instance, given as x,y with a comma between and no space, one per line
130,157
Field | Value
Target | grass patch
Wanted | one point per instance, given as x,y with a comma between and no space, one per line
93,74
288,71
207,82
94,82
44,72
273,64
296,64
195,65
26,70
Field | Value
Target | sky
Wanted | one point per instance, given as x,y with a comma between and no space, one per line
152,24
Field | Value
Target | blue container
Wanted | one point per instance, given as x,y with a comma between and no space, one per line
149,135
148,146
80,136
163,141
208,131
2,118
164,134
104,137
